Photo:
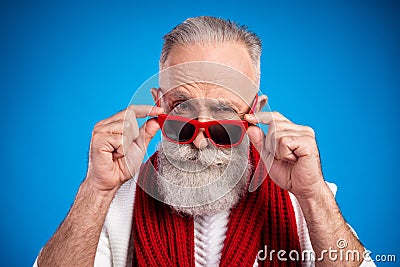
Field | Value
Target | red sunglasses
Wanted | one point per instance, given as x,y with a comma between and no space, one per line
221,133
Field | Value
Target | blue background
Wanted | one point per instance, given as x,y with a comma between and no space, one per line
333,65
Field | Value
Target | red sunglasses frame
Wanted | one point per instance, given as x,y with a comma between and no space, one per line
204,125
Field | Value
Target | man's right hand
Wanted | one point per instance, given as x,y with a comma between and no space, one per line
116,152
118,146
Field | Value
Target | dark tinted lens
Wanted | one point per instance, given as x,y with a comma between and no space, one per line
179,130
225,134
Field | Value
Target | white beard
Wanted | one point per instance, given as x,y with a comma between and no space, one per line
202,182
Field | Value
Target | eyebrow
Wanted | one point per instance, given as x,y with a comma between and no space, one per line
179,94
232,104
226,103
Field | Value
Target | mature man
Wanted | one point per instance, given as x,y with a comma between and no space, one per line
205,197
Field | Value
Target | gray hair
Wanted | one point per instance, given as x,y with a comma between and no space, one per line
211,30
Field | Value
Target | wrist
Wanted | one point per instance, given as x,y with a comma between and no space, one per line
91,185
97,199
321,194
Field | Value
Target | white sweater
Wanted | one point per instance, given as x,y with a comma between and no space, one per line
209,232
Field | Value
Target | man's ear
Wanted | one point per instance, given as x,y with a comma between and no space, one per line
154,93
262,101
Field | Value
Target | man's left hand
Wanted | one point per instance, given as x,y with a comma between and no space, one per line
292,150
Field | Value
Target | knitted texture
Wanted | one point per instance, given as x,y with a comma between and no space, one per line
164,238
209,236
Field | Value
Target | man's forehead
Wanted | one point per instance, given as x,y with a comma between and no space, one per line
206,93
215,75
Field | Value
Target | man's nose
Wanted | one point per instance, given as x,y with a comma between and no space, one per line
201,141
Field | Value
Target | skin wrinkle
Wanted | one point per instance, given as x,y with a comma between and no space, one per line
216,80
217,53
76,240
190,73
206,91
204,109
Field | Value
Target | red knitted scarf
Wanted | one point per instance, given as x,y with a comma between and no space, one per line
162,237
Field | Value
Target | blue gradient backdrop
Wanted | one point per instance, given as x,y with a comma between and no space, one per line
333,65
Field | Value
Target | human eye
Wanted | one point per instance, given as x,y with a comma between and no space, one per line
223,108
182,106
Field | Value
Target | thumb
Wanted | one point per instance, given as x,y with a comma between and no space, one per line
256,136
148,130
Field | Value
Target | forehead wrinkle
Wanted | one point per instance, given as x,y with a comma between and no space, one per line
216,66
180,92
188,91
208,91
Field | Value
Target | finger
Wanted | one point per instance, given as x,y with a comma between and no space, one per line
127,130
114,127
284,149
265,117
107,143
289,126
303,146
134,112
141,135
137,149
142,111
290,148
273,138
256,137
116,117
138,111
147,131
125,123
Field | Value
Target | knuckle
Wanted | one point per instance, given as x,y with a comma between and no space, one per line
311,144
279,116
96,139
310,130
276,114
98,125
131,109
98,136
284,140
95,134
